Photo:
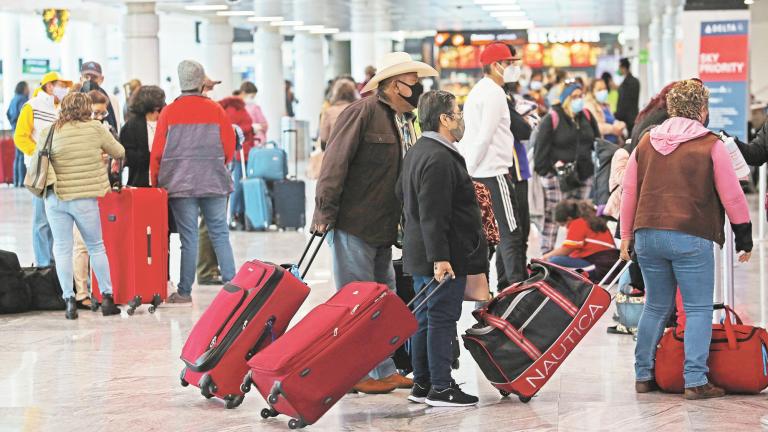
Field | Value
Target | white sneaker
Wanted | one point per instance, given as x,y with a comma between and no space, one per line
764,421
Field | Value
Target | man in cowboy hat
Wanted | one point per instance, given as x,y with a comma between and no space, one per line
37,114
489,149
356,189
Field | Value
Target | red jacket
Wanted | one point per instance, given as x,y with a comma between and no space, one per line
235,109
193,136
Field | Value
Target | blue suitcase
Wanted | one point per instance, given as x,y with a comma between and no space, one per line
268,163
258,204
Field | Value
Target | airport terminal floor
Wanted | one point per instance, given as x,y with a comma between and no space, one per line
104,374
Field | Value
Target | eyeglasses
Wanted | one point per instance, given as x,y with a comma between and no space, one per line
457,115
100,114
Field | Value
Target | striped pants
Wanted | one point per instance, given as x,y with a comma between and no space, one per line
511,249
552,196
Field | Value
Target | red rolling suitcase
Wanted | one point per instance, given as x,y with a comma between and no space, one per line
305,372
7,155
526,332
247,315
134,224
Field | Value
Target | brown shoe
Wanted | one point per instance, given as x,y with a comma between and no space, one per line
706,391
399,381
646,386
372,386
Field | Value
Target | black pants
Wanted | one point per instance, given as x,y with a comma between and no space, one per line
508,197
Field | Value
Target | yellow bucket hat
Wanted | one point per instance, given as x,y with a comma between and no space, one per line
54,76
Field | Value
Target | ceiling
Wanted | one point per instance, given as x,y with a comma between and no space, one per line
417,15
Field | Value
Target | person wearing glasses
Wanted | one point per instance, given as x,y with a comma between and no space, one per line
488,147
443,238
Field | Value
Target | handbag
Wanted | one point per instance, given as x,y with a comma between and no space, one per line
738,357
477,288
568,177
490,226
36,179
314,164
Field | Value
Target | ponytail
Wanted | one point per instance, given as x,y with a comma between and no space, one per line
574,209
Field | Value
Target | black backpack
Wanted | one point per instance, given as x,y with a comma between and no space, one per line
602,157
15,296
44,287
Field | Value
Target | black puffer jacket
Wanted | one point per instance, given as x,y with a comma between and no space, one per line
756,152
572,141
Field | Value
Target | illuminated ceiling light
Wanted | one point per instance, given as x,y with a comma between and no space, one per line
457,39
265,19
440,38
325,31
749,2
508,14
495,2
308,27
205,8
235,13
500,7
515,25
286,23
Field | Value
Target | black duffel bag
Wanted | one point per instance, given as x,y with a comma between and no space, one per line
14,293
44,286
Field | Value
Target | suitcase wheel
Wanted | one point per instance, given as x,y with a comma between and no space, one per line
156,301
232,401
504,393
133,304
245,387
272,399
296,424
267,413
207,387
524,399
184,382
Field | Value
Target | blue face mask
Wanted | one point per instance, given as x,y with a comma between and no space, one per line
601,95
577,105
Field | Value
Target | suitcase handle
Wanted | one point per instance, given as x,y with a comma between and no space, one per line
314,254
444,282
616,278
149,245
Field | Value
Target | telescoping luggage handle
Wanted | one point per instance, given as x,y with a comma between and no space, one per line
615,280
442,284
314,253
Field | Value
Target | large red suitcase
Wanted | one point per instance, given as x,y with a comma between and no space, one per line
134,225
248,314
305,372
526,332
7,155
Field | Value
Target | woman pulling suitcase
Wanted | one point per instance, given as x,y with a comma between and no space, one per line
443,238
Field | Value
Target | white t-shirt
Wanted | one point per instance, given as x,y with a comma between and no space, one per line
151,128
488,145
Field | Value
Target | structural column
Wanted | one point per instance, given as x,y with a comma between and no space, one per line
669,41
141,57
310,78
218,36
70,66
363,38
655,54
10,53
268,44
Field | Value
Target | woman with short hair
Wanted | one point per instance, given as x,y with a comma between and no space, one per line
677,183
77,176
139,131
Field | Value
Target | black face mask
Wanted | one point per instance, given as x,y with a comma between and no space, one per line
416,91
706,121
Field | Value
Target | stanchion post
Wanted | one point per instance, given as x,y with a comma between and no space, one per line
761,187
727,265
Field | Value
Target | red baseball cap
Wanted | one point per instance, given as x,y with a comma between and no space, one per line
496,52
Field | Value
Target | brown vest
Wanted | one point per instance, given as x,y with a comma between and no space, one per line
677,192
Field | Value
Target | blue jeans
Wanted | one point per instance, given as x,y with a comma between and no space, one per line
85,214
356,260
237,203
19,169
186,212
566,261
669,259
42,238
432,345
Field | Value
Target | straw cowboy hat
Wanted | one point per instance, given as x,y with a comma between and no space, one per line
397,63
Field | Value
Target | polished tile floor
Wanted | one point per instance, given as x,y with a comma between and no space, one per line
121,373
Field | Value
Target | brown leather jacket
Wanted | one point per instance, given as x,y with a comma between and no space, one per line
356,189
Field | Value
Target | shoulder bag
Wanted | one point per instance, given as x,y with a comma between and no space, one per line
36,179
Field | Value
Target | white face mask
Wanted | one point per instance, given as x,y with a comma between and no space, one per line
536,85
512,73
601,95
60,92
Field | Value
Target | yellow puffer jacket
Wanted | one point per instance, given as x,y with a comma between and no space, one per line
77,159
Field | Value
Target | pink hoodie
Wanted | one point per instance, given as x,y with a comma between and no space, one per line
665,139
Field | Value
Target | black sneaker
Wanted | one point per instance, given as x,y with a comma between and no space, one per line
419,392
450,397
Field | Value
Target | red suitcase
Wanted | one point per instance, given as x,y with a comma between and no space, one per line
305,372
222,341
134,224
7,155
526,332
246,316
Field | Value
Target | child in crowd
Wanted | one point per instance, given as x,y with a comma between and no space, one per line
589,244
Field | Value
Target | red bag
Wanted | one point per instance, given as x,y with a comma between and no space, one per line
738,358
134,225
490,227
305,372
7,155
